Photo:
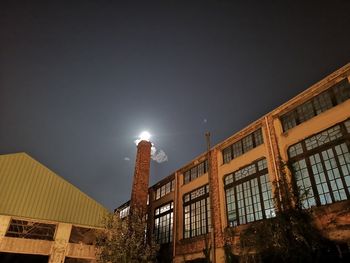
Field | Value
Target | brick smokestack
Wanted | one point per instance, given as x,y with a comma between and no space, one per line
140,184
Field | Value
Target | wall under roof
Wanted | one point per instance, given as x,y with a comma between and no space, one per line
29,189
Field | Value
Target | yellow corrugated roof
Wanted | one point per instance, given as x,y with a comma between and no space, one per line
29,189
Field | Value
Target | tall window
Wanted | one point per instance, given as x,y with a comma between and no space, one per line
196,212
165,189
242,146
321,166
335,95
195,171
248,194
163,223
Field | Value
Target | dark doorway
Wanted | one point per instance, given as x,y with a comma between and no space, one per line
165,254
22,258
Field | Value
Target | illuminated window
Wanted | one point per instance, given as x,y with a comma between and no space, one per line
335,95
165,189
242,146
124,212
163,223
248,194
195,172
321,166
196,212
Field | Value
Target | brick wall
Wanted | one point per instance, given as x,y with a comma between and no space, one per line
141,177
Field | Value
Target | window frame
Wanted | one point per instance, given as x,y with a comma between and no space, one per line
193,172
250,177
334,96
238,148
206,197
164,189
307,153
170,222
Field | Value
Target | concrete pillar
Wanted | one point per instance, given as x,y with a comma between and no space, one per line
4,224
59,248
139,190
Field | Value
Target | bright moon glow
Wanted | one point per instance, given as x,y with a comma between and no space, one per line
145,136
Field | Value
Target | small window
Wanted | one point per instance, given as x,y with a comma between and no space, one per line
164,189
237,149
195,172
320,103
242,146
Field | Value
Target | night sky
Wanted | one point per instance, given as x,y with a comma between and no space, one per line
80,81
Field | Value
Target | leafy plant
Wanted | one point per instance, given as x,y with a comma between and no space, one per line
124,240
290,236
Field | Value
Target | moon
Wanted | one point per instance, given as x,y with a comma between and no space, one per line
145,136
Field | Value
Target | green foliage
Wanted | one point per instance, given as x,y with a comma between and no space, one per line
289,237
124,240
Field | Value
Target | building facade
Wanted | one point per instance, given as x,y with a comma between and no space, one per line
43,218
234,183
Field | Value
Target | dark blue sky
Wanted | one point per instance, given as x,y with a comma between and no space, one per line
80,81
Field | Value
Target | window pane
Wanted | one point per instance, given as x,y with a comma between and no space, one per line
325,177
342,91
323,137
237,149
186,177
163,223
347,125
322,102
305,111
247,143
227,154
201,169
316,105
195,172
288,121
196,213
258,137
295,150
302,178
245,201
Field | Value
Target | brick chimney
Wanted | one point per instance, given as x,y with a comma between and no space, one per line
140,184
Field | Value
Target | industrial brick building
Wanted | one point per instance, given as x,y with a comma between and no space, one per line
234,183
43,218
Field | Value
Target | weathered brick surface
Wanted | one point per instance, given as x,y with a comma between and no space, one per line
215,199
190,245
334,220
139,190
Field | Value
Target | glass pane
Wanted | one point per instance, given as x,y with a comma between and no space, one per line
303,182
227,154
288,121
347,125
258,137
247,143
305,111
323,137
342,91
322,102
295,150
237,149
